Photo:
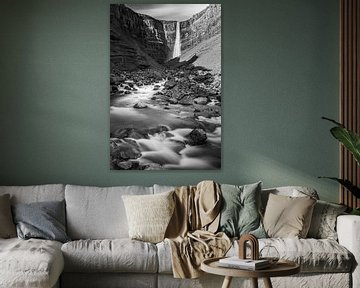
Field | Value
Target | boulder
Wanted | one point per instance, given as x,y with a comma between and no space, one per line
170,84
172,101
130,133
187,100
196,137
124,152
140,105
201,100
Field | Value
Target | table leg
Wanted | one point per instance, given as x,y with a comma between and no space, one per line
254,282
267,283
227,282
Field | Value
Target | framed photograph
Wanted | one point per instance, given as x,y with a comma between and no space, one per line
165,86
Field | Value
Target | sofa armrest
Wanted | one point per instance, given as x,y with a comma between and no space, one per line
348,230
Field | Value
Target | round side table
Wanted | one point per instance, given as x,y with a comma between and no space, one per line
281,268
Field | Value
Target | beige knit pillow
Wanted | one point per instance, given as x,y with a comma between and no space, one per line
149,215
7,226
288,217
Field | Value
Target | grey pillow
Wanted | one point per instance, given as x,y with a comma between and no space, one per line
323,222
44,220
7,226
240,210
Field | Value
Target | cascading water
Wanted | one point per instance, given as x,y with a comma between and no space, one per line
177,45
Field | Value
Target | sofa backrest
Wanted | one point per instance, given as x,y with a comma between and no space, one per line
98,212
36,193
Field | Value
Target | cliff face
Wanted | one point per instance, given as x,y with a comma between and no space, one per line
140,41
200,27
137,41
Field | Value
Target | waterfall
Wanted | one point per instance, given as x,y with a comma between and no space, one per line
177,45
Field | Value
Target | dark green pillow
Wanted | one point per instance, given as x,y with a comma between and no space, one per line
43,220
240,210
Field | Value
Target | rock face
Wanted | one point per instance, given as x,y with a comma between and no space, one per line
200,27
137,41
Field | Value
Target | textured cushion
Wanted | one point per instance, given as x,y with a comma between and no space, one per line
98,213
44,220
36,193
7,226
313,255
149,215
117,255
31,263
287,216
323,222
240,210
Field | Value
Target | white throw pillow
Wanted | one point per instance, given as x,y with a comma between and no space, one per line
149,215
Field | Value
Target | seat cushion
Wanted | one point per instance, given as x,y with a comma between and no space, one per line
30,263
117,255
313,255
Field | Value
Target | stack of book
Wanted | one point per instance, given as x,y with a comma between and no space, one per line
248,264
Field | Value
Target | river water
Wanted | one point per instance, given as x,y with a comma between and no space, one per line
167,148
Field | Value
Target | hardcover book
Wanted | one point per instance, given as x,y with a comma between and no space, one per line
236,262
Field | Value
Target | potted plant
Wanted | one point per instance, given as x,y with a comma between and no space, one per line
351,141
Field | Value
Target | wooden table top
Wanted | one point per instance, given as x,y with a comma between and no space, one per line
281,268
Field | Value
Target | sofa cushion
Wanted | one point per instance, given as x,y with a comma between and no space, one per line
323,222
287,216
7,226
313,255
30,263
116,255
240,210
149,215
43,220
98,213
36,193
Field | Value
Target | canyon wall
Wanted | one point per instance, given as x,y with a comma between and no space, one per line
137,41
140,41
200,27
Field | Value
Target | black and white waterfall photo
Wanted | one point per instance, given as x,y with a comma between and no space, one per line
165,86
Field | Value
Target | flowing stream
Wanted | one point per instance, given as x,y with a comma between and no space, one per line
166,148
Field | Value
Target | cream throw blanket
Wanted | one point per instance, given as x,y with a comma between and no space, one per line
191,231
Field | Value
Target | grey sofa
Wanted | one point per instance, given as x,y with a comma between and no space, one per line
101,254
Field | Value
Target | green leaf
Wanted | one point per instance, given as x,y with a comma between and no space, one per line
347,184
348,138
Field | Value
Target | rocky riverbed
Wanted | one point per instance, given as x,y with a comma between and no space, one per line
165,119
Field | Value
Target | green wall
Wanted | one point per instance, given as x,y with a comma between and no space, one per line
280,75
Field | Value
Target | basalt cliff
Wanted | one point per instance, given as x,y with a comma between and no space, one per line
139,41
202,26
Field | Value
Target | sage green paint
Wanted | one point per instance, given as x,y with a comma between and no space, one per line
280,75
